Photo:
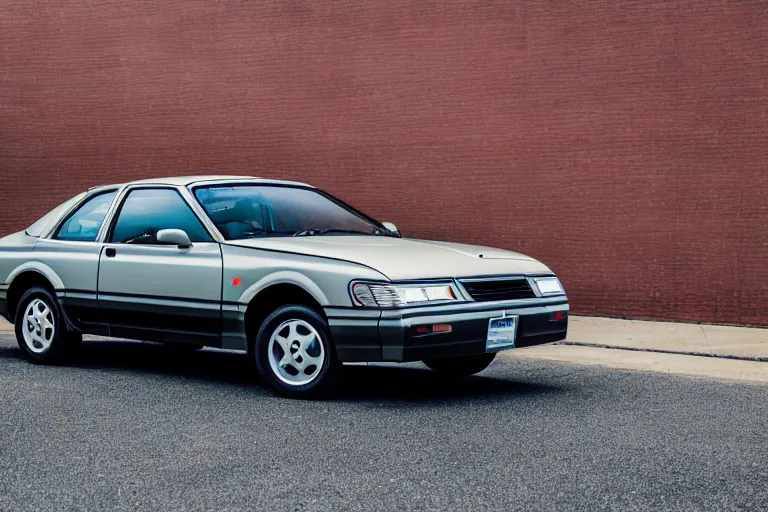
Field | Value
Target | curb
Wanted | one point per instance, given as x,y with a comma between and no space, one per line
759,359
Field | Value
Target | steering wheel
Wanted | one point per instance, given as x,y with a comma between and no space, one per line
251,231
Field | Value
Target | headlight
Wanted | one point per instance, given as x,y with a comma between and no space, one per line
374,295
549,285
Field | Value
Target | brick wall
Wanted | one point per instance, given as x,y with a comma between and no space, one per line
623,143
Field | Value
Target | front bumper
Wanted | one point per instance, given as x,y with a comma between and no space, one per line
362,335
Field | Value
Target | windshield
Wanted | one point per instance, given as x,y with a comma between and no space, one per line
39,227
251,211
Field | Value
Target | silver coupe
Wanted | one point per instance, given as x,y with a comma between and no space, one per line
287,273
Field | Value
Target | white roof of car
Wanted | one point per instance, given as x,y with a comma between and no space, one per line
185,181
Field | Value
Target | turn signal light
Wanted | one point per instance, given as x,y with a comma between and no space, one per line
432,329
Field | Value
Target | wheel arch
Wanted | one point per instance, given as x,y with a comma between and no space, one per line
25,277
272,296
285,277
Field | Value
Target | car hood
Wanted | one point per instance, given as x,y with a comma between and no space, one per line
404,259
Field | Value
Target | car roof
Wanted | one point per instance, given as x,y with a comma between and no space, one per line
186,181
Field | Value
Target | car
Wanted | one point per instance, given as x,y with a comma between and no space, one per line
287,273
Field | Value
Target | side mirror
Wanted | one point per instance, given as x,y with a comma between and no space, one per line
392,228
174,237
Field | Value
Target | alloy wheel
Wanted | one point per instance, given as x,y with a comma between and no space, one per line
39,326
296,354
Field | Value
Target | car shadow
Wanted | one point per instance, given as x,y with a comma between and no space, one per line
167,360
415,383
410,383
155,358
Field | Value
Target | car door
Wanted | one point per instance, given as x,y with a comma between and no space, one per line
148,290
72,252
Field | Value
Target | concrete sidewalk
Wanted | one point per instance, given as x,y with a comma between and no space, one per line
677,338
677,364
731,353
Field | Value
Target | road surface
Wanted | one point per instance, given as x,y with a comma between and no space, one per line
137,426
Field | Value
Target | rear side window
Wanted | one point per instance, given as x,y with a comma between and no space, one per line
39,227
147,211
84,224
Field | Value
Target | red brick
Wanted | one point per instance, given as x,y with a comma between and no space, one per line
623,143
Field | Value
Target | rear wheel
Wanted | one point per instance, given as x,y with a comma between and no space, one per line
41,332
460,366
294,353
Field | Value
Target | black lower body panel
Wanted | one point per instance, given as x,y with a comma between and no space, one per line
540,329
468,337
4,303
4,308
372,335
355,334
233,335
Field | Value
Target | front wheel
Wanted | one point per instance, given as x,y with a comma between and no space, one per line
460,366
294,353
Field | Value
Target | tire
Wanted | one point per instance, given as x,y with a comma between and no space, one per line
41,332
308,368
460,366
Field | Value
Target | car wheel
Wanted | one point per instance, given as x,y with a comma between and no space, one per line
40,329
460,366
294,353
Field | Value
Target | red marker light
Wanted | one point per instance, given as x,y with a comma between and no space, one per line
420,330
237,281
557,316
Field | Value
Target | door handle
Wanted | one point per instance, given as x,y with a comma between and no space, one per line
111,252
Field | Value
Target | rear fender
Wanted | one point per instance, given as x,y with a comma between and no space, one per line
40,268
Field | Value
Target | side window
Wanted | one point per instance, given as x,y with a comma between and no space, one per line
147,211
84,224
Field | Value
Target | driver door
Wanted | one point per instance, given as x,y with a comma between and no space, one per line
148,290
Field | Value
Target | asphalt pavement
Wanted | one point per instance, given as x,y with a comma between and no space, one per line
134,426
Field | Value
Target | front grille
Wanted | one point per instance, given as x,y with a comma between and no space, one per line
500,289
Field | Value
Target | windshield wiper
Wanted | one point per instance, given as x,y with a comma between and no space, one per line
261,233
315,232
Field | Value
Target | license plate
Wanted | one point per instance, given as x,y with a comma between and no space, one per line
501,333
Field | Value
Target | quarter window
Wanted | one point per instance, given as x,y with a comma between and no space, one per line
84,224
147,211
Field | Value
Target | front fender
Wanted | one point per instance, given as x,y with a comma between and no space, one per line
285,277
247,271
